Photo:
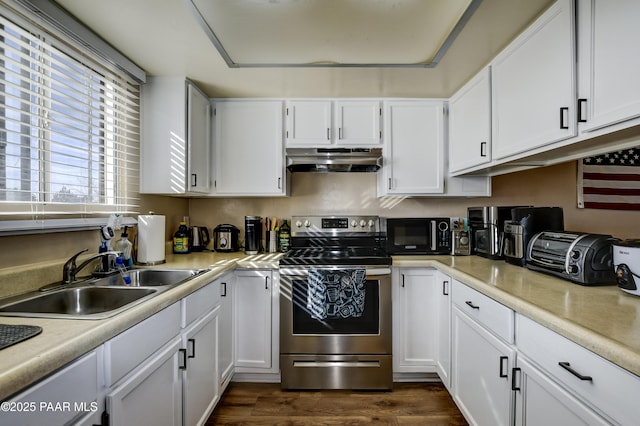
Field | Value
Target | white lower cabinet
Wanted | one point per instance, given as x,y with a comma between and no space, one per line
599,389
225,331
415,316
256,334
481,361
421,322
142,372
160,373
443,329
200,372
69,394
541,401
152,395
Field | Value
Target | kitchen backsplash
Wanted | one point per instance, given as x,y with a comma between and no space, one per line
343,193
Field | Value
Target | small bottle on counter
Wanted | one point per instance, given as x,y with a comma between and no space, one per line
124,245
181,239
285,236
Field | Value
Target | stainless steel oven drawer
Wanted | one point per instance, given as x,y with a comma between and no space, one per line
371,372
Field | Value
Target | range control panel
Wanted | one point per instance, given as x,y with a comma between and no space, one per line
334,225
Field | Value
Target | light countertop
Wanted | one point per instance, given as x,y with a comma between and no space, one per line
602,319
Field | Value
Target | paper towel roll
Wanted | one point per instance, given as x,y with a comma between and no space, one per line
151,239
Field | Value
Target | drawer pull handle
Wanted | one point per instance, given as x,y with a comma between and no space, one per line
567,367
483,149
514,387
224,290
193,348
563,111
581,117
502,360
183,352
445,288
471,305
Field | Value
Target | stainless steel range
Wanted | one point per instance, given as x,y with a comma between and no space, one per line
335,305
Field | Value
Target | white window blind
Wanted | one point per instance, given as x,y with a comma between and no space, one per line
69,128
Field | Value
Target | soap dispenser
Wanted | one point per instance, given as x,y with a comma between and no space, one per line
124,246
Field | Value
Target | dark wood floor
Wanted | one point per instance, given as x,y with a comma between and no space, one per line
265,404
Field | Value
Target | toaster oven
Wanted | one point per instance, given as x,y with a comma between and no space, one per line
583,258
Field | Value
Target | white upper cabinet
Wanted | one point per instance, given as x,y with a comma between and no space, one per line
308,123
248,154
321,123
413,162
609,66
176,137
533,85
470,124
358,123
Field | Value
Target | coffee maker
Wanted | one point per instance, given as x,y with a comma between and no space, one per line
524,224
252,234
487,229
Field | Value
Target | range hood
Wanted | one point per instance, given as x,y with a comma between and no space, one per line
332,160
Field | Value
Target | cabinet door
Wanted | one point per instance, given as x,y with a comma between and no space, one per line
252,317
470,124
533,85
225,331
481,372
540,401
66,394
308,123
163,144
414,161
415,311
608,73
152,394
200,380
199,140
358,123
443,328
248,148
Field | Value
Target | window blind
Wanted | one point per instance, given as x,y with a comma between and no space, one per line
69,127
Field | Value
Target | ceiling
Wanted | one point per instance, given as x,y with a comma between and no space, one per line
164,38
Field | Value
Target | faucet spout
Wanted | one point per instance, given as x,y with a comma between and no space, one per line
70,269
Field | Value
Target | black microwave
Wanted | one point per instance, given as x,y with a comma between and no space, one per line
418,235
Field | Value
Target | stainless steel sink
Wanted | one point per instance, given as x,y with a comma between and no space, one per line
87,301
97,299
153,277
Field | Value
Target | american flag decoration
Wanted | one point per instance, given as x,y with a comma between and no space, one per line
610,181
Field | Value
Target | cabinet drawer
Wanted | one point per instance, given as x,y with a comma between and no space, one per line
60,397
128,349
608,388
493,315
200,302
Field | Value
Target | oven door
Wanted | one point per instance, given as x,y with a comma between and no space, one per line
303,330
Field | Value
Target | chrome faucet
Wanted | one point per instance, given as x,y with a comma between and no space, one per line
69,270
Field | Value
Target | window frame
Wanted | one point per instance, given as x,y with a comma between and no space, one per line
119,132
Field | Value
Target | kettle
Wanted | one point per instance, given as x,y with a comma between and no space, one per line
199,238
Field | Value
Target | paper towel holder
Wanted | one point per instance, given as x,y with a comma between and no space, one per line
160,243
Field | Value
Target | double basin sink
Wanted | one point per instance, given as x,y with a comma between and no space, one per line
97,298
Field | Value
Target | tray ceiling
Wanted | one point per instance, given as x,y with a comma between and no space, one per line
332,33
164,38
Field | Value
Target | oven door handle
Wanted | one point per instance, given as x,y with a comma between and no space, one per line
372,273
433,235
